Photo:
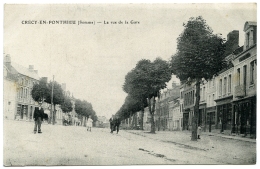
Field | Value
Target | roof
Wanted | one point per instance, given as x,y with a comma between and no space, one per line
25,71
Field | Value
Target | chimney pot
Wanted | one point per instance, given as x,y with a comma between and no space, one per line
31,67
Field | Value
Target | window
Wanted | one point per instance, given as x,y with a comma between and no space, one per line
209,101
225,86
213,97
238,76
204,93
229,83
21,93
244,74
220,87
201,93
252,72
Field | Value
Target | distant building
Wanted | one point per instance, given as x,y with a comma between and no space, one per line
162,107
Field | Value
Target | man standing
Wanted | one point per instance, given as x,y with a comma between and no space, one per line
38,117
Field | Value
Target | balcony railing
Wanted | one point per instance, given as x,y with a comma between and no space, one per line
240,91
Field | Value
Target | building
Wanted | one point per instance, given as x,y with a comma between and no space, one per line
211,105
10,93
162,107
175,114
102,121
26,78
244,98
188,105
72,116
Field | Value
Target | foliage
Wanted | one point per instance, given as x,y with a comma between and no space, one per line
146,80
199,52
200,55
84,108
40,91
58,96
66,105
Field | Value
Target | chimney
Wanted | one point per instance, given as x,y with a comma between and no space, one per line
174,84
31,67
7,60
36,71
63,86
232,42
45,79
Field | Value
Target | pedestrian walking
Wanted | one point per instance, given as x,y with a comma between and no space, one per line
199,131
111,121
89,123
38,118
117,124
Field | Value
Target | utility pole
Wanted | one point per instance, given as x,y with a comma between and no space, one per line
52,101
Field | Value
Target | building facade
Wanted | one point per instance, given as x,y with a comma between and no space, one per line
10,93
26,78
244,98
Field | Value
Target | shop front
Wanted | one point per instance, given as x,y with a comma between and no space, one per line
244,116
210,118
224,114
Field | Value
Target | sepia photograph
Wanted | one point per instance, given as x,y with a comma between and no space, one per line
120,84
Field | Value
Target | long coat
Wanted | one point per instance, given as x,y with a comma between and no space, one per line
38,113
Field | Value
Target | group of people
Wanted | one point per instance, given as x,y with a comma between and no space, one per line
39,115
114,124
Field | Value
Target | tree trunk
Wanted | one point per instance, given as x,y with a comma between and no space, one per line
50,118
196,112
151,110
85,121
142,118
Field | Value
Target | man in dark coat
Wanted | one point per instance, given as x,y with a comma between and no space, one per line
117,124
112,121
38,118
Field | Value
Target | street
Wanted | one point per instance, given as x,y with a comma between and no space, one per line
74,145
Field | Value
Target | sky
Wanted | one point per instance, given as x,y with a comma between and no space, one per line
93,59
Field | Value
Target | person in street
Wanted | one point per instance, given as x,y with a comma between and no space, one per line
38,118
89,123
117,124
199,131
111,121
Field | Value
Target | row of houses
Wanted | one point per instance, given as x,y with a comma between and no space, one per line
18,103
227,102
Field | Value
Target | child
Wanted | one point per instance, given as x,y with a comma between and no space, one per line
89,123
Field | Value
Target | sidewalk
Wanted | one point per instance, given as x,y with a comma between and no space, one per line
208,141
188,133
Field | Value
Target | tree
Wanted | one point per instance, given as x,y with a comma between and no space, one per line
84,109
66,105
40,91
58,98
200,55
146,80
